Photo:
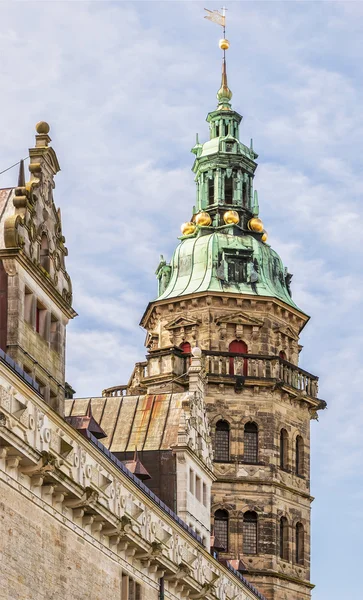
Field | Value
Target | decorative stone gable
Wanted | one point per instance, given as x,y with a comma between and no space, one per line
33,223
183,328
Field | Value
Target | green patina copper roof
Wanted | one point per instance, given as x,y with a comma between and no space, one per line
203,263
222,257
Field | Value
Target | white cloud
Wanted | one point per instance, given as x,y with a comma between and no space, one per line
125,87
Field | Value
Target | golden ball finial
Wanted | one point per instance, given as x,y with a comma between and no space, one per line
264,237
203,219
224,44
231,217
42,127
255,224
188,228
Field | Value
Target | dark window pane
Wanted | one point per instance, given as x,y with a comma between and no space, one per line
251,443
221,450
284,549
211,191
221,527
299,456
283,448
228,190
250,533
299,544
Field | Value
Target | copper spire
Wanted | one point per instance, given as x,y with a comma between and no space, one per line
224,94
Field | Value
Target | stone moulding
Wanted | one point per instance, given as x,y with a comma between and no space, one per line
118,518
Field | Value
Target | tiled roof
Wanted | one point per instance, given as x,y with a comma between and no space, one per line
148,422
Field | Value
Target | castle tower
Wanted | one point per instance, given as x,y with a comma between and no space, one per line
35,288
227,292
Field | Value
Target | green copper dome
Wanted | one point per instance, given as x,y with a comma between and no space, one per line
223,246
226,260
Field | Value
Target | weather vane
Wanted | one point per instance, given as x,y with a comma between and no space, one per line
220,19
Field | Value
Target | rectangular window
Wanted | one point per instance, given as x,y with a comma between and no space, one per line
221,532
211,191
221,449
249,538
54,333
250,450
205,495
130,589
228,190
237,270
191,481
198,485
244,193
41,319
28,306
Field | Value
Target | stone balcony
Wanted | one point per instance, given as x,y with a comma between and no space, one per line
169,367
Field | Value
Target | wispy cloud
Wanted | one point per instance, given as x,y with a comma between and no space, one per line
125,87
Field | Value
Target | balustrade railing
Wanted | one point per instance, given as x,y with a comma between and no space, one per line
226,366
260,367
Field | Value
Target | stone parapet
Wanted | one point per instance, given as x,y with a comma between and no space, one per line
49,469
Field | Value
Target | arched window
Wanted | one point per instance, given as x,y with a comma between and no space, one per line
284,441
44,253
250,443
299,455
238,347
211,190
221,449
282,355
284,539
299,544
250,533
221,527
185,347
228,190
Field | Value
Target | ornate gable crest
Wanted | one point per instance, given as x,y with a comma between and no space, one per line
180,322
239,318
34,225
286,330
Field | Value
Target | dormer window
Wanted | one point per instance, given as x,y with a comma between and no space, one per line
229,146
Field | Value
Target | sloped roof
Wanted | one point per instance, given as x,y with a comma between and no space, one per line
147,422
198,266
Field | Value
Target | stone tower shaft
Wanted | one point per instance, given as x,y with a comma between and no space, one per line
227,292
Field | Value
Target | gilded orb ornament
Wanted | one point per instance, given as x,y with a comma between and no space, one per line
203,219
188,228
255,224
231,217
264,237
224,44
42,127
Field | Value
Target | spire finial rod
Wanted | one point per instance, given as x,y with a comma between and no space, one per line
224,95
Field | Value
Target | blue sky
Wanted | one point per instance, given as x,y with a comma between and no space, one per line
125,87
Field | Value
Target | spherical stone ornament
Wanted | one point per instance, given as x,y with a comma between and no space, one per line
224,44
203,219
255,224
264,237
231,217
42,127
188,228
196,352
